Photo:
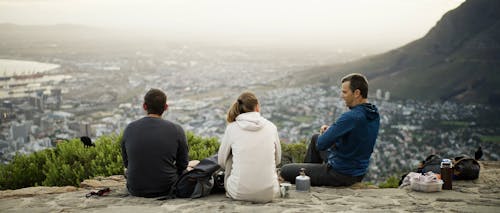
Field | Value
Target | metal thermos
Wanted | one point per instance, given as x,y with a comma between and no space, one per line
446,173
302,182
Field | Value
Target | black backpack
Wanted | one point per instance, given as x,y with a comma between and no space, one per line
199,182
466,168
431,164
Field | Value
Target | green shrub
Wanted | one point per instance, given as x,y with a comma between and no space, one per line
24,170
293,152
108,159
391,182
200,148
70,162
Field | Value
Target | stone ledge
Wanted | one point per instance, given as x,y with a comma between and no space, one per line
37,190
482,195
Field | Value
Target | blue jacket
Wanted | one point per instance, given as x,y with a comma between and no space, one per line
350,140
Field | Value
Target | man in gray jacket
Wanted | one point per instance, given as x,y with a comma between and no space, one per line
154,150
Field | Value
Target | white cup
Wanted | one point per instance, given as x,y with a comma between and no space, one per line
284,188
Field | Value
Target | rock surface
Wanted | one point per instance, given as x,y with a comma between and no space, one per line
482,195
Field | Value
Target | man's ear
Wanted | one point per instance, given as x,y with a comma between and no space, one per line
166,107
357,93
145,107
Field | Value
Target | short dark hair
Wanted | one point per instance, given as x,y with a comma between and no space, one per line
155,101
357,81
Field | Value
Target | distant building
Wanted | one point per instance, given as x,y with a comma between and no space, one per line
46,124
40,100
387,95
21,131
378,94
74,125
57,96
85,129
6,115
8,105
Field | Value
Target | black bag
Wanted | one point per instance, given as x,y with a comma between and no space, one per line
466,168
219,182
198,182
431,164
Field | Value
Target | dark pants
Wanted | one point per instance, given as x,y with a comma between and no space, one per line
320,172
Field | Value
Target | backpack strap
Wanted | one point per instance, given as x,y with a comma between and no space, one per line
466,158
430,157
171,195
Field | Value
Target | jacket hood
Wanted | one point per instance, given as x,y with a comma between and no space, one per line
370,110
251,121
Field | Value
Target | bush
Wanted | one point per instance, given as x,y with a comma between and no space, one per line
24,170
391,182
108,160
293,152
69,163
200,148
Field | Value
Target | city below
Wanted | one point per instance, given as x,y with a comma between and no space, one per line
62,98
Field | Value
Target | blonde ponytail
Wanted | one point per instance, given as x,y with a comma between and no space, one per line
247,102
233,112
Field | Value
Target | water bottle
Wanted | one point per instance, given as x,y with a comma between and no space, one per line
302,182
446,173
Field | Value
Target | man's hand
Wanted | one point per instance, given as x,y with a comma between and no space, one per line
323,129
192,164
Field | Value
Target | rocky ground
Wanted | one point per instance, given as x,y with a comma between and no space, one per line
482,195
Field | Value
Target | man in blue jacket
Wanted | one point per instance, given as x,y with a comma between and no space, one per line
346,145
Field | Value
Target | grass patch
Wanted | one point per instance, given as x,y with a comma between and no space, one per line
494,138
391,182
303,119
455,123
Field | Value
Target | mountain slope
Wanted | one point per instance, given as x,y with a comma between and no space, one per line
458,59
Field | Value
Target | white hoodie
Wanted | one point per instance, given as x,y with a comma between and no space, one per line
249,151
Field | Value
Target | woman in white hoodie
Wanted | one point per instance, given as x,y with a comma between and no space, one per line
249,152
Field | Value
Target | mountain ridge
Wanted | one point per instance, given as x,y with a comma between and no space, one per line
457,60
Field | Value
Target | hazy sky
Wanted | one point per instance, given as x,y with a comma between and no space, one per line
342,23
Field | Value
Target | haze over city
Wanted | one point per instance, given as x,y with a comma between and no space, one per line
362,25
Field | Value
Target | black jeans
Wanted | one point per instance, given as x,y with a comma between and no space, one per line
320,172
